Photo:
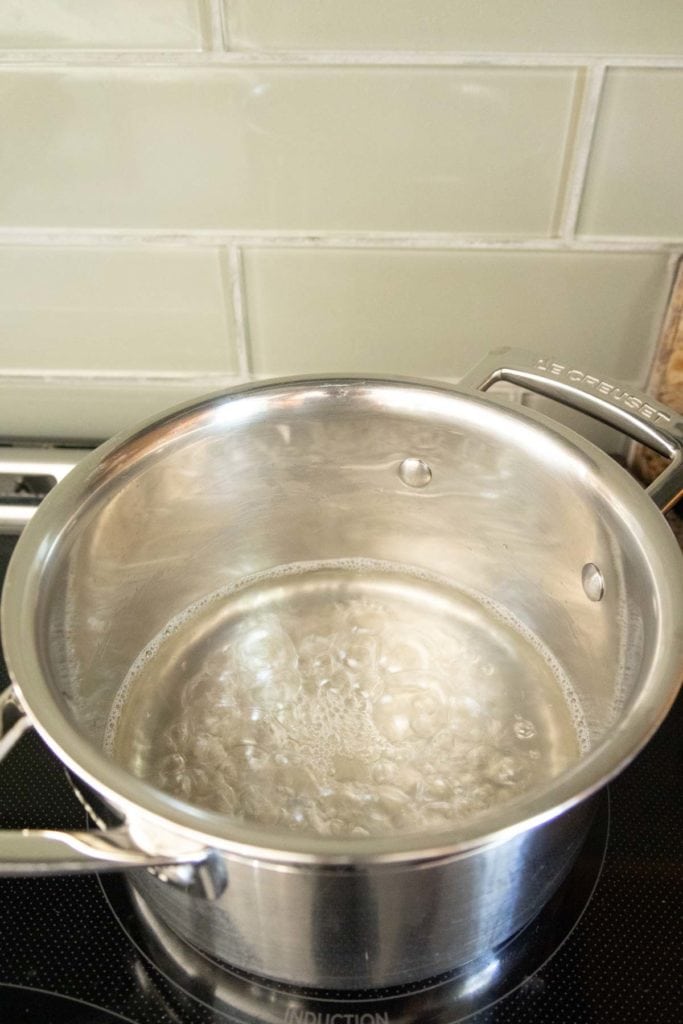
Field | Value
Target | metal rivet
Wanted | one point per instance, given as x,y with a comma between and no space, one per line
414,473
593,582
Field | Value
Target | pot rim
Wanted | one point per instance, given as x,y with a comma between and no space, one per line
166,817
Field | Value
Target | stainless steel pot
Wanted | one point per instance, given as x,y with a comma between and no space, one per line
446,479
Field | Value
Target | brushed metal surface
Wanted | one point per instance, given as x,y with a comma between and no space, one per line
296,471
354,928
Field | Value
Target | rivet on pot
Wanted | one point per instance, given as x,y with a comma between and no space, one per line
593,582
414,472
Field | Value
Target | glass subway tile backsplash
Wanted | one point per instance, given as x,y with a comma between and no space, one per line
197,193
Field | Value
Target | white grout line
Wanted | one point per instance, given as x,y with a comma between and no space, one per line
114,376
235,282
202,382
163,238
323,58
607,243
215,12
582,150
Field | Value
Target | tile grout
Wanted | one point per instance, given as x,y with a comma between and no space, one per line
296,239
116,376
582,151
234,281
320,58
208,382
218,35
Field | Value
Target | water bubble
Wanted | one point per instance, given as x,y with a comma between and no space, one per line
439,813
264,647
408,775
183,785
437,789
359,655
505,770
427,715
404,654
251,755
298,815
524,729
367,718
179,734
174,763
391,715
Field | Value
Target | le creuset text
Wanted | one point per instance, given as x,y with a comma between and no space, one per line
616,392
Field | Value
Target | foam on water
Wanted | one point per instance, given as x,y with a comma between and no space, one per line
352,697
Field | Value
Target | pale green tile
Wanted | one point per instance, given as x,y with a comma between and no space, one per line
525,26
100,24
635,184
86,410
466,150
113,310
435,313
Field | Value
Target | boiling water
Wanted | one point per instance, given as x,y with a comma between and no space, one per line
346,699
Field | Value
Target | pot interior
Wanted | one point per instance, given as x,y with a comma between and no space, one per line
506,587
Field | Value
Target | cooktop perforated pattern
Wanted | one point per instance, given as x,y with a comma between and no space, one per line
70,952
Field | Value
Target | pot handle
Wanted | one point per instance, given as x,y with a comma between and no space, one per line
51,852
619,405
13,722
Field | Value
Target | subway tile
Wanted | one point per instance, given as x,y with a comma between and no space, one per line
348,149
525,26
122,310
101,24
87,411
435,313
634,184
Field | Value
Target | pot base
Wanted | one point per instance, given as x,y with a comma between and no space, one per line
451,996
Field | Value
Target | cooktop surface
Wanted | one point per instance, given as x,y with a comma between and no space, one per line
608,947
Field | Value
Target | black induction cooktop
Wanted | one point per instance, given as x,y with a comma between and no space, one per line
608,948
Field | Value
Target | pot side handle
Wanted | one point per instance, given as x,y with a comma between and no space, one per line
13,723
618,405
52,852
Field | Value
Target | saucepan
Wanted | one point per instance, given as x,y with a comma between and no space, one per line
337,665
